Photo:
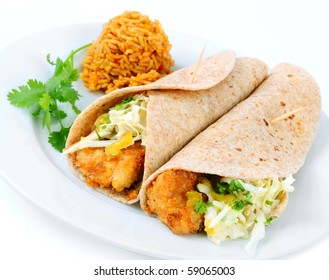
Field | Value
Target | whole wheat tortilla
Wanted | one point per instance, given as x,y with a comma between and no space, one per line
174,117
210,72
204,75
246,144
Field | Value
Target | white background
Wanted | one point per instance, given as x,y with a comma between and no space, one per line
274,31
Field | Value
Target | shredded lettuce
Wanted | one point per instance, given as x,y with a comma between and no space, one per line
128,116
241,209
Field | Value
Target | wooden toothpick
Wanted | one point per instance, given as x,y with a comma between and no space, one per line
287,115
198,64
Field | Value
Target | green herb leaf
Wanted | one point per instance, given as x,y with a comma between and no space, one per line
200,207
44,101
28,95
269,220
45,96
237,205
221,188
46,120
269,202
37,111
236,187
247,202
58,138
50,61
64,72
248,195
122,103
61,115
68,93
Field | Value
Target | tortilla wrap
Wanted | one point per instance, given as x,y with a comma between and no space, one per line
251,142
174,117
200,76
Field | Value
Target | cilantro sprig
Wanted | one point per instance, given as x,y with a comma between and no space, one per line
269,220
234,187
44,98
201,207
122,103
237,205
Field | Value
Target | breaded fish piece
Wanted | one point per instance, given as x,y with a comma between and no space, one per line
167,199
106,171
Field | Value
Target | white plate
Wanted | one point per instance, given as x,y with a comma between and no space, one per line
41,174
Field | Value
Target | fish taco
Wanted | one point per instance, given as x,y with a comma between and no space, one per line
122,138
234,178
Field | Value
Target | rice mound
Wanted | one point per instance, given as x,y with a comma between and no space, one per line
131,50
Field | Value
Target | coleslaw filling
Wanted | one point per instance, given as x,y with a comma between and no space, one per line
120,127
239,208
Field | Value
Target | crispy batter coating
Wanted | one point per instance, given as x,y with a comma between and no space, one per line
105,171
167,199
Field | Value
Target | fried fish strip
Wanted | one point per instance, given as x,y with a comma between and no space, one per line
105,171
167,199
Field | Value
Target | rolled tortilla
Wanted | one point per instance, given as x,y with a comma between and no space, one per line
267,136
174,117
